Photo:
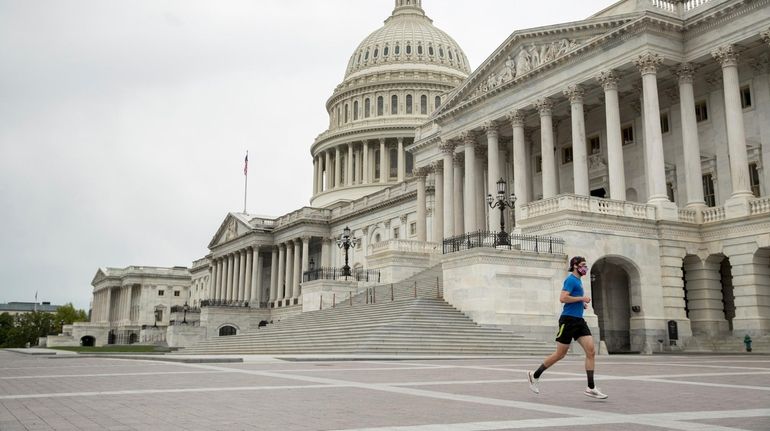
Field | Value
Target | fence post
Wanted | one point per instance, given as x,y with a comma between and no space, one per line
367,295
350,297
391,292
550,244
374,295
321,305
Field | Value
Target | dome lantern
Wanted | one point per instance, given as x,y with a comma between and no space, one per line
404,7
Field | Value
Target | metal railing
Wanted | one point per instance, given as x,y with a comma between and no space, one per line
370,275
408,289
180,309
223,303
531,243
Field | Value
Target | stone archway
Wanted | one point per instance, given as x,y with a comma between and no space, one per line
708,291
614,286
88,341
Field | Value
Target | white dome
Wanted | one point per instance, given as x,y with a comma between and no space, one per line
407,38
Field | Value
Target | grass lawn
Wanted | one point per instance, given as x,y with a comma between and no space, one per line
113,349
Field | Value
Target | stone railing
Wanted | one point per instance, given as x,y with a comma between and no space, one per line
409,186
306,213
688,215
678,6
588,204
404,245
263,222
759,206
714,214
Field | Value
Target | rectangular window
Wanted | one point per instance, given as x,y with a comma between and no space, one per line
701,111
161,292
395,233
708,190
664,128
538,164
670,192
566,155
754,178
745,97
176,293
628,135
595,144
413,228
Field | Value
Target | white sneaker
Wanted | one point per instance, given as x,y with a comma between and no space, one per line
534,384
594,393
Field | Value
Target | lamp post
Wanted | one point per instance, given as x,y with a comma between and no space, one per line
185,307
345,242
502,201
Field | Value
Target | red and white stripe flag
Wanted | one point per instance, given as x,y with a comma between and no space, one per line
246,164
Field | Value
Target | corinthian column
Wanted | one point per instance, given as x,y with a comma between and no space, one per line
249,257
297,276
480,198
493,169
401,160
736,136
690,145
448,150
365,158
315,176
457,187
579,152
337,168
281,282
469,210
349,169
273,275
384,174
289,270
327,168
617,176
438,210
545,106
305,260
520,178
241,276
420,174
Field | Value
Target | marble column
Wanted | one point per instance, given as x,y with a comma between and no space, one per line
320,174
704,298
365,157
493,167
349,169
420,174
221,271
383,158
579,151
548,171
480,198
401,161
448,150
281,272
647,64
325,253
520,177
212,281
616,170
274,271
727,56
469,210
337,167
315,176
247,285
458,161
438,209
327,169
241,276
256,295
297,276
228,293
305,262
690,144
254,276
289,270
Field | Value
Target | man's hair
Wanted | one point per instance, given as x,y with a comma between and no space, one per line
575,261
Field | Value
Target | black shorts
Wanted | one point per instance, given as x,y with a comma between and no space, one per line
571,328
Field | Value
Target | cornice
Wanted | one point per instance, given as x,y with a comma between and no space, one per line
407,196
397,129
717,16
379,86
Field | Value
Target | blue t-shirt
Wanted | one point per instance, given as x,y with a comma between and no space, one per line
574,286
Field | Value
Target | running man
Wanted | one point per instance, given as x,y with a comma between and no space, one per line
572,326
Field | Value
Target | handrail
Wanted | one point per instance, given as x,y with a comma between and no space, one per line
531,243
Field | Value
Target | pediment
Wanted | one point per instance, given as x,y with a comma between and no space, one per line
98,277
527,52
231,228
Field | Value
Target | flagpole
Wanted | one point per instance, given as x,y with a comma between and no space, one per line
245,180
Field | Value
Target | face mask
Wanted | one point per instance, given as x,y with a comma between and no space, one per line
582,270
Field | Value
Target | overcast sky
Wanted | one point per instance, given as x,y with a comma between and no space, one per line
123,124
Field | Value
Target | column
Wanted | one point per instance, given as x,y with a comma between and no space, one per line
349,170
256,293
448,150
469,208
274,271
221,273
704,297
254,274
281,272
108,308
337,168
305,261
241,276
315,176
327,169
212,281
383,168
438,210
690,144
420,174
366,177
653,138
579,151
616,170
247,283
325,253
545,106
297,276
401,161
520,177
479,197
458,161
228,291
736,135
289,270
493,168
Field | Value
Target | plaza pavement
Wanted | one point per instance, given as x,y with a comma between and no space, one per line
661,392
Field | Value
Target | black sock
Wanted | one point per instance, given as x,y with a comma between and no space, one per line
539,371
590,374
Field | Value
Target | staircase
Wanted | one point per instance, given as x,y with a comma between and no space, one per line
416,326
727,344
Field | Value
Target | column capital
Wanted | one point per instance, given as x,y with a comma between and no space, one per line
575,93
382,141
400,140
490,128
609,79
403,218
765,35
648,62
421,172
468,139
516,117
726,55
544,106
459,160
447,147
437,167
480,151
685,72
305,238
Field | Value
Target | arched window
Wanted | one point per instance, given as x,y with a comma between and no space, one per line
367,108
437,102
346,112
419,49
394,105
227,331
355,110
376,52
380,106
408,49
408,103
424,104
450,54
398,49
339,116
358,60
441,52
385,51
366,56
393,156
430,51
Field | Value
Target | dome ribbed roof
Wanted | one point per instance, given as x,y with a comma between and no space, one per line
408,37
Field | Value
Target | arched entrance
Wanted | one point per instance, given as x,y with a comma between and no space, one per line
133,338
111,337
708,291
88,341
227,330
612,279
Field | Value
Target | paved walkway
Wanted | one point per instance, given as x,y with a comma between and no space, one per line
697,393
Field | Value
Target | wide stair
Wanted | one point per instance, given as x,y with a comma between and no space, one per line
727,344
416,326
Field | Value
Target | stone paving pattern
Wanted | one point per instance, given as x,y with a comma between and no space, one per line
645,393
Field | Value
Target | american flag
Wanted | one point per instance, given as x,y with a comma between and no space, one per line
246,164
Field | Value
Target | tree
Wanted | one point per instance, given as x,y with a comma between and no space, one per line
67,314
6,325
28,327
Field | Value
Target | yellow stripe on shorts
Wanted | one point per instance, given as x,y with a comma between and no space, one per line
561,329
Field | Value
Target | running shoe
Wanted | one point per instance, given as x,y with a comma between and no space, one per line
534,384
595,393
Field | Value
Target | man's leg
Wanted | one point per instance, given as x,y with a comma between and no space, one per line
561,351
587,343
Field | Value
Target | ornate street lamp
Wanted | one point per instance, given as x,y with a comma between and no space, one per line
185,307
345,242
311,263
502,201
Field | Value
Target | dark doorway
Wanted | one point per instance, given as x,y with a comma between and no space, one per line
88,341
133,338
111,337
599,193
226,331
